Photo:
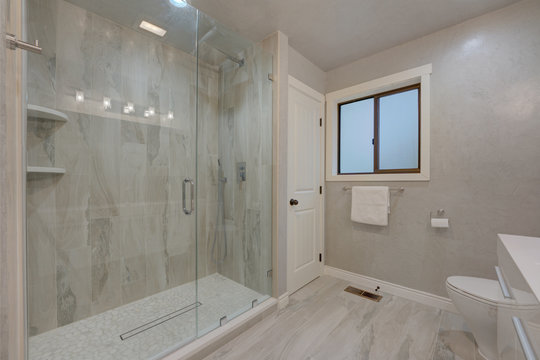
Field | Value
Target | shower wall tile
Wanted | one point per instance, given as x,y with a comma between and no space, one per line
74,49
182,268
41,234
157,271
105,182
72,140
106,59
106,285
42,22
40,142
73,285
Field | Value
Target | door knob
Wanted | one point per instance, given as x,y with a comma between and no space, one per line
293,202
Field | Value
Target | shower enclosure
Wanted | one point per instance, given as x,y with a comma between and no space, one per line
149,182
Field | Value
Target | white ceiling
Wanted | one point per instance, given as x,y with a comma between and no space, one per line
332,33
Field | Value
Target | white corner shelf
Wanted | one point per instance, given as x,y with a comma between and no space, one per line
44,170
42,112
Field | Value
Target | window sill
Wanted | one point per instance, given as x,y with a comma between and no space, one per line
379,177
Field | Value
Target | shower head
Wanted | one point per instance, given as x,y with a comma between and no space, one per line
215,39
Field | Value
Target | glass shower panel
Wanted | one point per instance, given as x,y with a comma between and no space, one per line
111,150
234,174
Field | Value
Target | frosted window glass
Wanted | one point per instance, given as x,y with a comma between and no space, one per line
398,131
356,135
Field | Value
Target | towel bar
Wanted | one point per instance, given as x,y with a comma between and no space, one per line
400,189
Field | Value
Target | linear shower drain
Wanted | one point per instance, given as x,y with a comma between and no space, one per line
363,293
160,320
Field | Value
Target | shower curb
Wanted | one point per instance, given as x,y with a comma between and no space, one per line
204,346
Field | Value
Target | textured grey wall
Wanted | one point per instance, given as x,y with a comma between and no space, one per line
485,151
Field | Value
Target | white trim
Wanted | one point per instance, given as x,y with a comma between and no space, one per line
420,74
283,301
218,337
306,90
398,290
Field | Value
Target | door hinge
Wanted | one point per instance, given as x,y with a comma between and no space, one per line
320,257
320,189
320,122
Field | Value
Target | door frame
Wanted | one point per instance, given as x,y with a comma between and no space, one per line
300,86
13,194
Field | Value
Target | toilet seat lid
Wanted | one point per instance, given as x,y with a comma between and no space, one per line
485,289
489,291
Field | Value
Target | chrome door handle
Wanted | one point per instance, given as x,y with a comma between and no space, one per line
13,44
502,283
192,194
523,339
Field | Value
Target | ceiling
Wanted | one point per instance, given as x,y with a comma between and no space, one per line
332,33
181,25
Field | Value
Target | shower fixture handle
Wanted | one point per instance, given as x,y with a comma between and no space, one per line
192,194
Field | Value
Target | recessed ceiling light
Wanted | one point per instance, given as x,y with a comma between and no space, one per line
179,3
154,29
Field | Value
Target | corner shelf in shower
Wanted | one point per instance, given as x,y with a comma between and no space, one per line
42,112
45,170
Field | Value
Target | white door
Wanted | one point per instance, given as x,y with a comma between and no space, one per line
304,185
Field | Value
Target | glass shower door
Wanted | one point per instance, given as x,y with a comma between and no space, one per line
111,152
234,170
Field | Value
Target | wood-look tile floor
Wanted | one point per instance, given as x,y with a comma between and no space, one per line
324,322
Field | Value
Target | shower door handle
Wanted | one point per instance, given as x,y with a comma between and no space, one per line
192,194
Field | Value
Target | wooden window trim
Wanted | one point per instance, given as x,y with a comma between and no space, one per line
376,119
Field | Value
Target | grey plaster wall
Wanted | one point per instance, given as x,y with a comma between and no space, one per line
485,146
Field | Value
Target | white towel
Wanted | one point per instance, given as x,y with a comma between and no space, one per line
370,205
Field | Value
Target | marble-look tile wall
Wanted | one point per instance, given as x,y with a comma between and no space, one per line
111,230
485,145
245,136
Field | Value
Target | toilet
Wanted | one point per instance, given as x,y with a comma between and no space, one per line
477,300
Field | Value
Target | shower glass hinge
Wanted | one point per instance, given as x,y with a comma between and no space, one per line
254,303
269,273
223,321
271,77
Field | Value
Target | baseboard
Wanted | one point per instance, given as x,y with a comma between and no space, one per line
207,344
398,290
283,300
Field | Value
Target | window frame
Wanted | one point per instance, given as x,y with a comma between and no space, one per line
376,124
422,75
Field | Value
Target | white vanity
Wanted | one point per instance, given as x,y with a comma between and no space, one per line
518,325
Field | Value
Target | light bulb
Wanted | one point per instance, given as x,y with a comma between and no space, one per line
79,96
170,115
106,103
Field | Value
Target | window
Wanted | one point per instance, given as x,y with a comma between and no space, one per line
380,133
379,130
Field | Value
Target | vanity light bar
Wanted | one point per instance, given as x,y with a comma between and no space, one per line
154,29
